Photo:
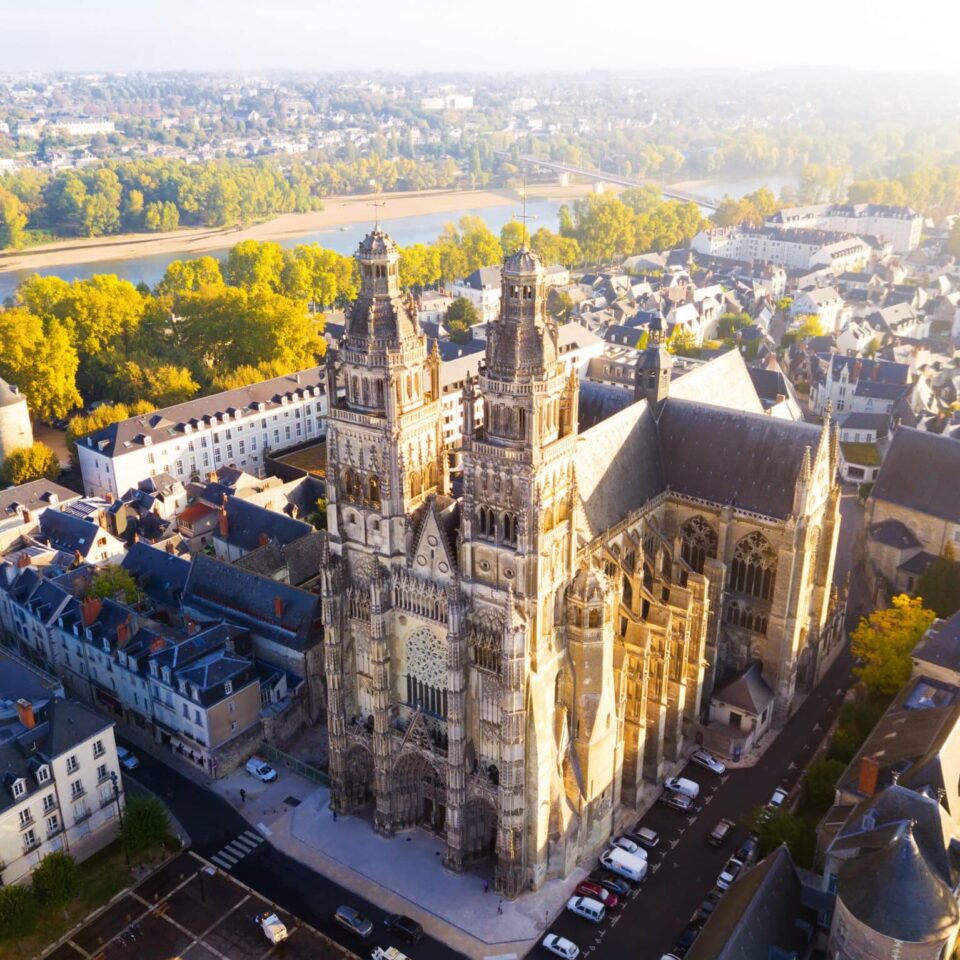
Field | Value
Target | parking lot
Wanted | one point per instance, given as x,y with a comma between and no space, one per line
191,910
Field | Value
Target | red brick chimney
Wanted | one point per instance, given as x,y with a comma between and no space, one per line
262,540
869,774
25,713
224,521
23,560
90,609
26,515
278,607
212,476
123,632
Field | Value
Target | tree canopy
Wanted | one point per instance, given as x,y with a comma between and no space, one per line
940,585
884,641
24,464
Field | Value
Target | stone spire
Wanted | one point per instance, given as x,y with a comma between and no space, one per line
380,312
523,340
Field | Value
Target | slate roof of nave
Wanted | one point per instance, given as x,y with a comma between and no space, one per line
712,442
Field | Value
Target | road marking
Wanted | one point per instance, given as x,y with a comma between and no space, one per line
709,798
222,863
231,857
792,766
251,836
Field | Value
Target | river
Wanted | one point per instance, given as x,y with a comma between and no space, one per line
405,230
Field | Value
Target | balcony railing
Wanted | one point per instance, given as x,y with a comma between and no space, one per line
27,823
33,845
82,815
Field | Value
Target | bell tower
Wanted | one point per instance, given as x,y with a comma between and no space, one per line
654,369
384,428
516,550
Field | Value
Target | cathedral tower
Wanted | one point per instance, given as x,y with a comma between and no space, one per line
517,546
654,368
384,429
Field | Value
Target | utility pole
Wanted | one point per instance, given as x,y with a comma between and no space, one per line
116,796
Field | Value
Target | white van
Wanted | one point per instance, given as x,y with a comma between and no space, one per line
625,864
587,908
689,788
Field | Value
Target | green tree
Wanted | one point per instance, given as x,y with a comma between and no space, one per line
18,912
513,236
479,244
419,266
255,266
55,880
13,220
885,640
112,580
820,779
554,248
940,585
145,824
189,276
730,323
38,355
461,315
774,827
24,464
83,425
559,304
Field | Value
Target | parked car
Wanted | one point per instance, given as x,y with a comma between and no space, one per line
729,873
561,946
274,929
354,921
676,801
406,928
778,799
720,833
708,906
645,837
708,761
749,850
631,846
624,864
690,933
259,768
689,788
588,908
127,760
587,888
610,881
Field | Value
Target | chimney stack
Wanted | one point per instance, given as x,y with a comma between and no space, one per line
262,540
278,607
869,775
224,520
25,713
123,631
23,560
26,515
90,609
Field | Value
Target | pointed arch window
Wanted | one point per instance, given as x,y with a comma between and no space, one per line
698,541
373,490
754,567
351,484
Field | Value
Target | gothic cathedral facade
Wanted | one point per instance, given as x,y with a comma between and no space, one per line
509,656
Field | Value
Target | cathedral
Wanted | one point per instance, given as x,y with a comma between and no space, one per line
513,650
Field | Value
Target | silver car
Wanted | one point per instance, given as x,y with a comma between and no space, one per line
708,761
354,921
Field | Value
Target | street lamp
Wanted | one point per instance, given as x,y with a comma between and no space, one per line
116,796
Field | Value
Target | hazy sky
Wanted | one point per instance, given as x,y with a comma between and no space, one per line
462,35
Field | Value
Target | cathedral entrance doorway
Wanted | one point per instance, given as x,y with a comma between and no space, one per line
358,778
419,794
480,830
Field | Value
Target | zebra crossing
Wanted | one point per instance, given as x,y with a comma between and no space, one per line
230,855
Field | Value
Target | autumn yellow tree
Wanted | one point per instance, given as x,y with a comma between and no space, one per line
885,640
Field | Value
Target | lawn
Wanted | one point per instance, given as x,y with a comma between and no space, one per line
101,876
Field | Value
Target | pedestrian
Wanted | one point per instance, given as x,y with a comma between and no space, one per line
486,886
243,795
334,816
500,906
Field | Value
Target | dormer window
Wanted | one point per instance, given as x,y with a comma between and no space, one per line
19,787
182,686
153,668
43,774
166,674
228,688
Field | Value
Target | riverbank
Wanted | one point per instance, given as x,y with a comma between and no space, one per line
337,212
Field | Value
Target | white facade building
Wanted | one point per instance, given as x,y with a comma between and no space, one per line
825,304
482,289
900,226
60,761
234,428
794,249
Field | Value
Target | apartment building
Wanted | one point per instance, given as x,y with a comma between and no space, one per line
900,226
234,428
792,248
61,787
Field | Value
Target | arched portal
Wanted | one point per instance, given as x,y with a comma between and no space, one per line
358,776
479,830
420,796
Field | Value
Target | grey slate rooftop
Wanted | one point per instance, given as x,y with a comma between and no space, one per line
747,690
941,644
35,495
922,472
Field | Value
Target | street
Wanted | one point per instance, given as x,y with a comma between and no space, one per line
213,825
684,867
